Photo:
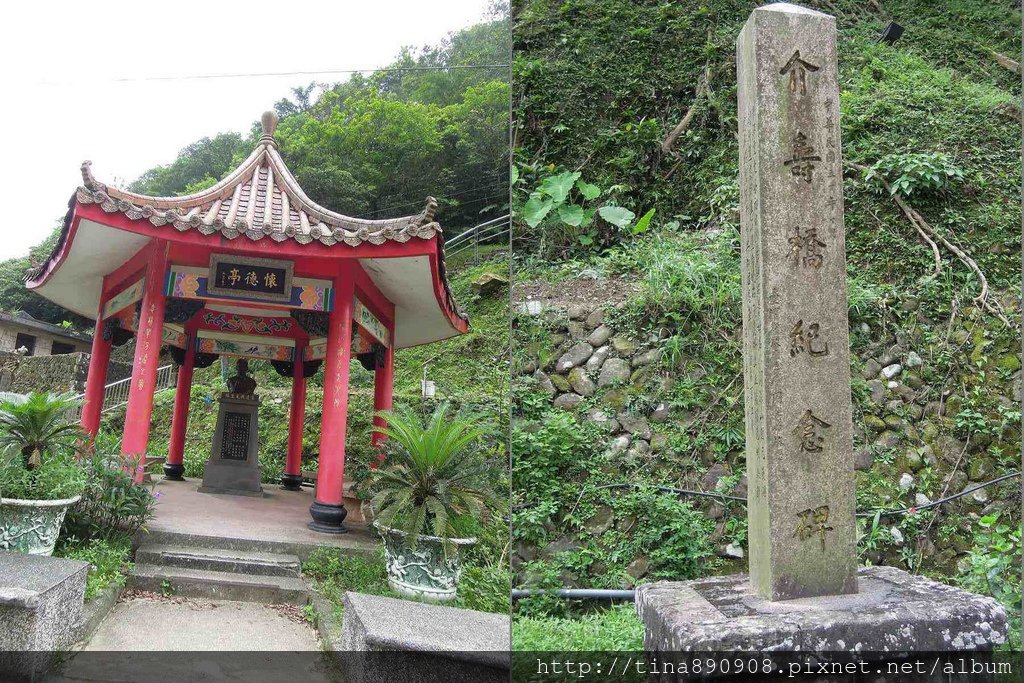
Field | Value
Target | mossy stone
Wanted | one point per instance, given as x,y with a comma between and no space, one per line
980,469
1009,362
894,422
616,398
913,380
623,345
874,423
561,383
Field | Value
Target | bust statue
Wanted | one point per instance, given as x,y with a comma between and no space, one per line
241,383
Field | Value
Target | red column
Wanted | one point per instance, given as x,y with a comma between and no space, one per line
383,390
292,479
174,468
96,381
327,510
147,355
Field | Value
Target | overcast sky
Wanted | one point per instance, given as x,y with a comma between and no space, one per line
63,102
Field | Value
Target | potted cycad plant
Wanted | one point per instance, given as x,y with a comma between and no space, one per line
40,477
427,497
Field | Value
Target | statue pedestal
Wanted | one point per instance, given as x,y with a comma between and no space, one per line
233,466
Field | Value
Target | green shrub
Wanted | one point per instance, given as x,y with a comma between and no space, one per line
59,476
907,173
994,569
109,560
550,452
485,578
334,573
485,588
113,505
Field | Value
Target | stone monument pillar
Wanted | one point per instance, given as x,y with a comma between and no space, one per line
796,356
233,466
805,592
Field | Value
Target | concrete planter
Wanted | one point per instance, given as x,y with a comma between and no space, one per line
32,526
426,573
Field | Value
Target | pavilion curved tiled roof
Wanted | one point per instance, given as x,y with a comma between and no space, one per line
260,199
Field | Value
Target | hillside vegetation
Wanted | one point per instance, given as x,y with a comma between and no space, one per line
628,374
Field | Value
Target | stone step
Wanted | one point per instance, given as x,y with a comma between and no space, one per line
214,585
359,541
252,563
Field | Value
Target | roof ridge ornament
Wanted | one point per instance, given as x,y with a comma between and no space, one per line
88,179
269,122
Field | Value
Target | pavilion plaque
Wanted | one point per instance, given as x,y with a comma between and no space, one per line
256,278
233,466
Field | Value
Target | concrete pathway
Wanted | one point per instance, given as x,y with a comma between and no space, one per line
211,640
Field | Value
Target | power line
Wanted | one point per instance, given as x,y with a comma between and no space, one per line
420,202
267,74
494,178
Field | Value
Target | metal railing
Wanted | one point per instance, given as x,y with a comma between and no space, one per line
477,235
116,393
12,397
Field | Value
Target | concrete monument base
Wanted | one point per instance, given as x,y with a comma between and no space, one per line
233,467
893,612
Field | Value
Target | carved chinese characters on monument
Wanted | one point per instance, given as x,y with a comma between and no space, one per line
811,432
797,69
235,437
811,522
803,340
806,248
801,164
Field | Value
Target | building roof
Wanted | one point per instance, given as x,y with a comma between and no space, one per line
259,199
25,320
257,209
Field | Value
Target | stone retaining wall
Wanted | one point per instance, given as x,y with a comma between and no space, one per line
907,423
57,374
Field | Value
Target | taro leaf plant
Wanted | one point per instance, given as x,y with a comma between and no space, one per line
38,441
434,474
566,205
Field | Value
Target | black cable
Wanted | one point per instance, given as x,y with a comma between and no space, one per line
916,508
670,489
866,515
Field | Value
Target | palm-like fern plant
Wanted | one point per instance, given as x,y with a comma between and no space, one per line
434,474
39,438
38,426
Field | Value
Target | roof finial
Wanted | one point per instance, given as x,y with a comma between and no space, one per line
269,121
